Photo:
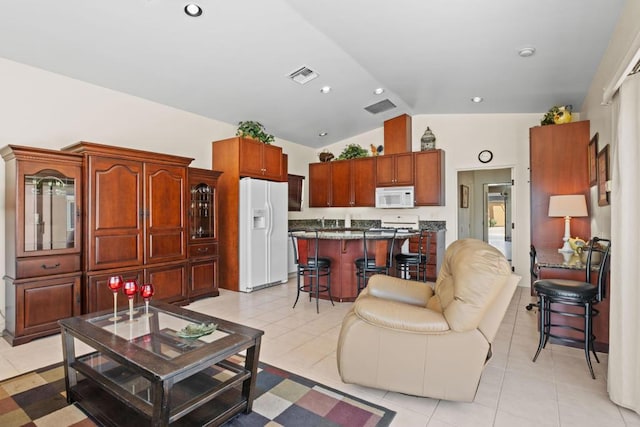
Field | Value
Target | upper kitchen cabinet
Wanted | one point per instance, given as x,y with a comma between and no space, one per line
429,178
43,200
394,170
296,185
397,135
247,157
342,183
320,185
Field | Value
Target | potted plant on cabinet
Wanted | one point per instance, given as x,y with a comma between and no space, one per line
255,130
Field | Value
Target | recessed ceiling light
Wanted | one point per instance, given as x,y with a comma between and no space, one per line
325,89
193,10
323,134
526,52
379,91
477,99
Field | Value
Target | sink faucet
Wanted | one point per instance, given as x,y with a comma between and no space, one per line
322,222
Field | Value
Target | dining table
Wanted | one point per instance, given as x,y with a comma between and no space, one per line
343,246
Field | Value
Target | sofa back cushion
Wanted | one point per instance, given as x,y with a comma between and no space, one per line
471,276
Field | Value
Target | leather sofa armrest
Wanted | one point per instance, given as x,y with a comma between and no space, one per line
400,316
401,290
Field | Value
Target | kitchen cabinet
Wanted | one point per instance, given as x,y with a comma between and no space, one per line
429,178
43,199
259,160
136,218
203,233
296,184
363,182
397,135
342,183
237,158
394,170
319,185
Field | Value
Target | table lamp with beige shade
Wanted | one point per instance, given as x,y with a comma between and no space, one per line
567,206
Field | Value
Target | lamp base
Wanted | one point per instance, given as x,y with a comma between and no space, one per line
566,248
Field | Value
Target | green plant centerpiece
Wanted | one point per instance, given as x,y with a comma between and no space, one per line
353,151
255,130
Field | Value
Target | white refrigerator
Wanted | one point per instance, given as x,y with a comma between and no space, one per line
263,233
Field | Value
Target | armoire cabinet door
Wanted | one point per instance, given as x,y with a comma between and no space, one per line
165,212
115,212
98,296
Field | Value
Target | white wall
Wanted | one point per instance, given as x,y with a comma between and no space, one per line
625,39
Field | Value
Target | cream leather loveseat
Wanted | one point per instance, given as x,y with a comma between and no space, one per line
406,336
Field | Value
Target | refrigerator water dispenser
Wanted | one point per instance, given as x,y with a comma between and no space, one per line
259,219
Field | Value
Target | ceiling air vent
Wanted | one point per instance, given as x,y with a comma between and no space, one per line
381,106
303,75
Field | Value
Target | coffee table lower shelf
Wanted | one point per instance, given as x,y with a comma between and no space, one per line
109,411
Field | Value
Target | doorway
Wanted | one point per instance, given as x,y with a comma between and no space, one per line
486,211
497,221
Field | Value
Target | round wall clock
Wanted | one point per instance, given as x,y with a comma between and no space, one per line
485,156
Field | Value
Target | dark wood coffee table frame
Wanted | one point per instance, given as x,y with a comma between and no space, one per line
196,399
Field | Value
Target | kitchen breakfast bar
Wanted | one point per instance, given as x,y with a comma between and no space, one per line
343,247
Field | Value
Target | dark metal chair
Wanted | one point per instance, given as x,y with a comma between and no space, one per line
533,269
311,267
377,255
575,293
414,264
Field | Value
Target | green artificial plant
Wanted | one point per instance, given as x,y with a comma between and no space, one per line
353,151
255,130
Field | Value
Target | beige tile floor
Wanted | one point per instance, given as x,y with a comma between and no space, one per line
555,391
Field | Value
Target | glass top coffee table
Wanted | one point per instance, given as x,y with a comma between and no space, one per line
159,369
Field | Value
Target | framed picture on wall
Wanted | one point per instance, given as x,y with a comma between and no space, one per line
464,196
603,176
593,159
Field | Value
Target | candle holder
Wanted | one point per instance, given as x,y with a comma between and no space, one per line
146,292
115,283
130,289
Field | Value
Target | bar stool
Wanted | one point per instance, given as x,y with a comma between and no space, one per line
377,255
533,270
411,263
574,293
311,267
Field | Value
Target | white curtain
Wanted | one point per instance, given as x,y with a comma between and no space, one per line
624,340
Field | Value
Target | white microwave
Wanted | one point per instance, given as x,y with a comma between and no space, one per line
394,197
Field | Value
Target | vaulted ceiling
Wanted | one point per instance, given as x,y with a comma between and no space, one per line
233,62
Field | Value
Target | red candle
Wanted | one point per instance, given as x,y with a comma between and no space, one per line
115,283
130,288
146,291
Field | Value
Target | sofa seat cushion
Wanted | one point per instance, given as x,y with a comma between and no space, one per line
399,316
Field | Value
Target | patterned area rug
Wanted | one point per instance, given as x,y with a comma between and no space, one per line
283,399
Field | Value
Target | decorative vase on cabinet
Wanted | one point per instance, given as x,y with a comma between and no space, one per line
42,281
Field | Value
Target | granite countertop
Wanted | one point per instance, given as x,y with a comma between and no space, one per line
349,234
